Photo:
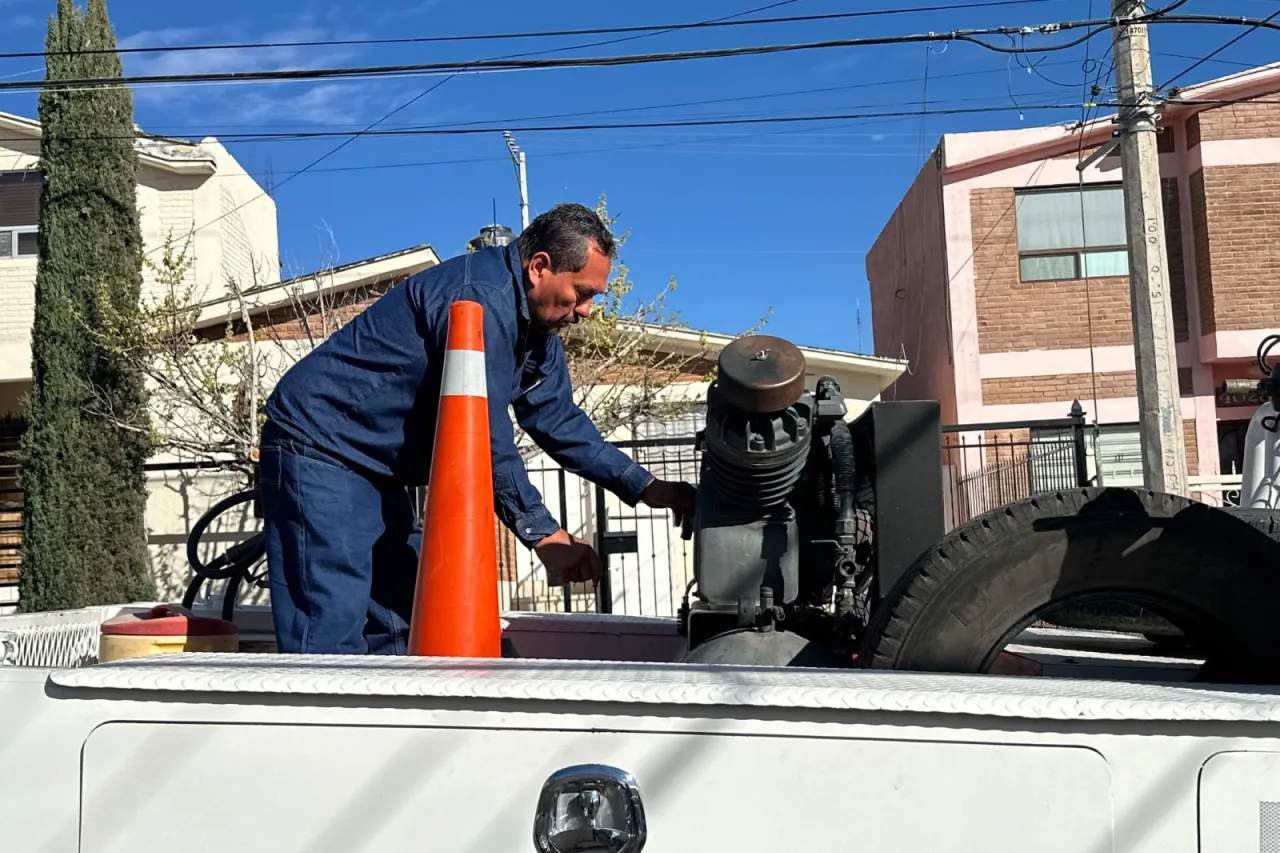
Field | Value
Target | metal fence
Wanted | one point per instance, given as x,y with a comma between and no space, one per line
986,466
648,565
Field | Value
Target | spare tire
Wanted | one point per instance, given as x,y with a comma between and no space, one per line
1214,574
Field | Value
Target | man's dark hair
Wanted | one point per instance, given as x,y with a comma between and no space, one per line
565,232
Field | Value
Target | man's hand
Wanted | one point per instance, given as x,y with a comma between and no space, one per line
677,497
573,560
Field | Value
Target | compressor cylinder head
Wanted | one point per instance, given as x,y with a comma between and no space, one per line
759,422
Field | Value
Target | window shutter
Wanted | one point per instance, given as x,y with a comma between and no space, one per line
20,199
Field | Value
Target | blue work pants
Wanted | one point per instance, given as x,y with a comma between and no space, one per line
342,553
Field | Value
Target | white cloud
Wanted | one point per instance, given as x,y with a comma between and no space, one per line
838,64
325,104
218,104
386,16
230,59
162,38
24,20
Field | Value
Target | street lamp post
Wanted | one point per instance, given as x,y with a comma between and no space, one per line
517,159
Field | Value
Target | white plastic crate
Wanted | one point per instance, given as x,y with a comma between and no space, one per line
57,639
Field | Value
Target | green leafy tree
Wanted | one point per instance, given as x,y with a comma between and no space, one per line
84,536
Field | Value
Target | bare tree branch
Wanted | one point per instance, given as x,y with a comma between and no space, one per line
631,361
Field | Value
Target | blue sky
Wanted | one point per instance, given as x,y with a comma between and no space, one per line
745,218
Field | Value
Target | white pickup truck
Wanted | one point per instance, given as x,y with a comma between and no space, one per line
714,731
593,740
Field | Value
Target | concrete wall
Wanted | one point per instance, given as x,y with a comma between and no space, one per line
907,275
17,294
17,278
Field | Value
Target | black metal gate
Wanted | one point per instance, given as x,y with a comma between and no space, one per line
989,465
647,564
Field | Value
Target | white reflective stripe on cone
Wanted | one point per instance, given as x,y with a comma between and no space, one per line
464,374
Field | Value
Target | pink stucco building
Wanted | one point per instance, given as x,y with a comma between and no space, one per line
1009,304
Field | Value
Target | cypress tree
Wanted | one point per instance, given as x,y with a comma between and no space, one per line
84,536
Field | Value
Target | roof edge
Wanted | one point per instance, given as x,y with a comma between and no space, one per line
340,278
694,340
1043,142
177,165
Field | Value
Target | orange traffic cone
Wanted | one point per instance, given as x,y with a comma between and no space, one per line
455,607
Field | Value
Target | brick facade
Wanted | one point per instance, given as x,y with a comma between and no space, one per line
1017,316
1073,386
1220,224
1172,208
17,289
1235,121
1235,217
1191,443
288,322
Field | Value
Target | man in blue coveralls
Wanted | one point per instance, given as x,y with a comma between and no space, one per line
351,426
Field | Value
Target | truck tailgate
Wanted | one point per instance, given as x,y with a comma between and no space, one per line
268,789
252,753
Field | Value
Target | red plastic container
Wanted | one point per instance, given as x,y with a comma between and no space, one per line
162,630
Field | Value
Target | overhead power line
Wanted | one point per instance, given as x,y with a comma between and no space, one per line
1209,56
565,128
647,28
341,145
970,35
495,125
674,124
172,130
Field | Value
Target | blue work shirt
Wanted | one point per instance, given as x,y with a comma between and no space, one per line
368,394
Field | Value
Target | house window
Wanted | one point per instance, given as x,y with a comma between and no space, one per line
1068,234
671,456
684,425
19,213
17,242
1114,456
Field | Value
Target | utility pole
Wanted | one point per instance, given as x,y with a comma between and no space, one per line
517,159
1164,457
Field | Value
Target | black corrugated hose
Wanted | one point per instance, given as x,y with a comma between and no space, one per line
232,565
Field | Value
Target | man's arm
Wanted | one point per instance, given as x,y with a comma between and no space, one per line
517,503
548,413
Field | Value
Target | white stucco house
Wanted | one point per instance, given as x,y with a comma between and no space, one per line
196,192
196,195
